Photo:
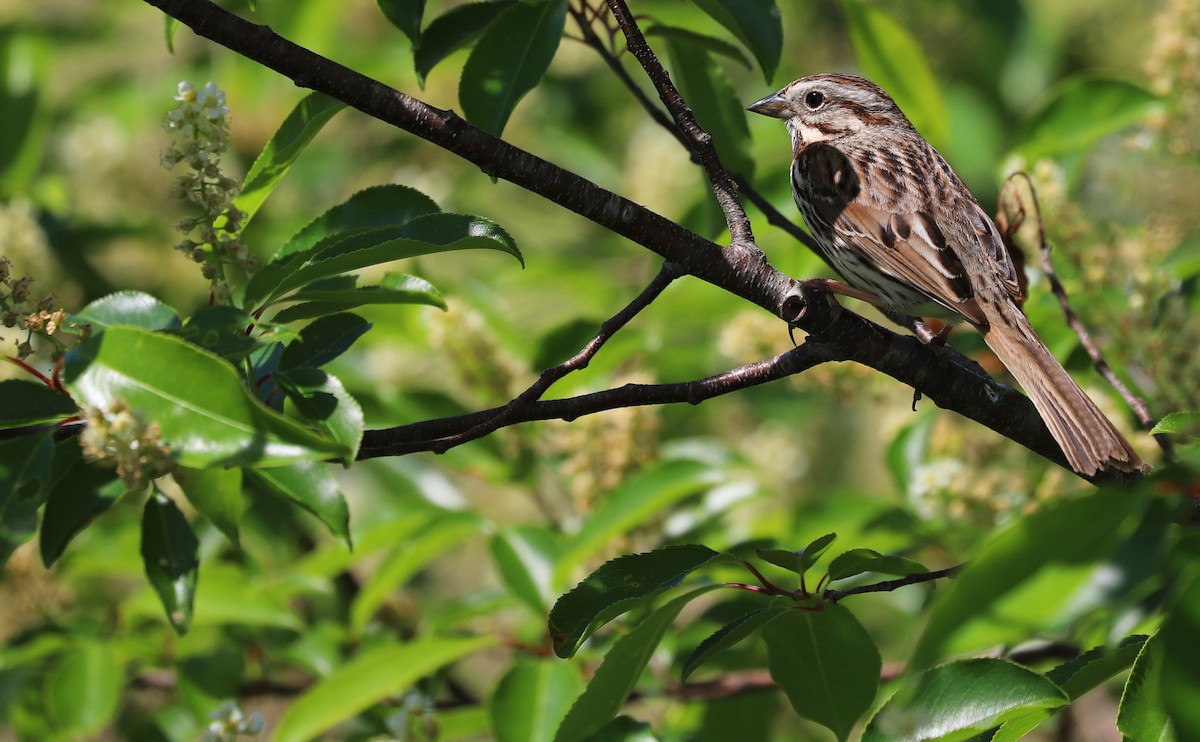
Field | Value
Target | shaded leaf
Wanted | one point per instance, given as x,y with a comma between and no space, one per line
509,61
532,698
24,475
453,30
617,675
82,693
221,330
730,634
1142,713
217,494
826,663
1181,663
857,561
323,340
324,403
405,15
617,586
311,485
711,43
390,205
79,492
524,556
757,23
338,294
171,556
24,403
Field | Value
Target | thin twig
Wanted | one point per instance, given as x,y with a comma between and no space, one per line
509,412
699,141
886,586
1085,339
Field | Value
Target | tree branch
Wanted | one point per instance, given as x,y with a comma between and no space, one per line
741,269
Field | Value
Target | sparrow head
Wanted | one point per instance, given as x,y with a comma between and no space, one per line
830,106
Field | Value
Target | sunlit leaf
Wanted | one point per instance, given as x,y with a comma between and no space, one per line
132,308
312,486
216,493
532,698
338,294
1082,111
82,693
390,205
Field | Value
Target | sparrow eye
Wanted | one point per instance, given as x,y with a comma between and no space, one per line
814,100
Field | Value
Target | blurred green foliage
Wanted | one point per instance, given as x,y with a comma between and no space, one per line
435,623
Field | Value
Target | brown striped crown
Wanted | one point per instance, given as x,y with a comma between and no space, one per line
829,106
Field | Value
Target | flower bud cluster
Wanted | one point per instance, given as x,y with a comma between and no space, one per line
229,722
118,437
199,127
20,310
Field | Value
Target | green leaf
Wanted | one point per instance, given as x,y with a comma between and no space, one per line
509,61
1181,663
311,485
618,586
638,498
79,492
171,556
82,693
1017,554
811,553
206,414
24,114
525,556
24,403
1143,713
324,403
711,43
714,101
406,560
826,663
960,699
339,293
323,340
170,26
618,673
297,130
346,252
24,474
366,680
730,634
1178,423
1082,111
453,30
130,309
624,729
532,698
232,595
857,561
390,205
221,330
892,58
217,494
405,15
757,23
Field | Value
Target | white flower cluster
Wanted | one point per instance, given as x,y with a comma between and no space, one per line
199,126
229,722
119,438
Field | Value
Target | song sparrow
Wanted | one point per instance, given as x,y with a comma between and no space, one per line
906,234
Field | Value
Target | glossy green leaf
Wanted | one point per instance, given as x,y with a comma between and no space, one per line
524,556
205,412
1143,712
325,404
24,403
730,634
618,586
509,61
1082,111
338,294
857,561
171,556
1178,422
128,308
717,105
312,486
757,23
617,675
390,205
1016,554
80,491
405,15
815,549
711,43
960,699
406,560
220,330
216,493
346,252
366,680
638,498
532,698
458,27
826,663
1181,663
298,129
323,340
890,56
82,693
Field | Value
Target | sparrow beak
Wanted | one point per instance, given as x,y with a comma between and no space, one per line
774,105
